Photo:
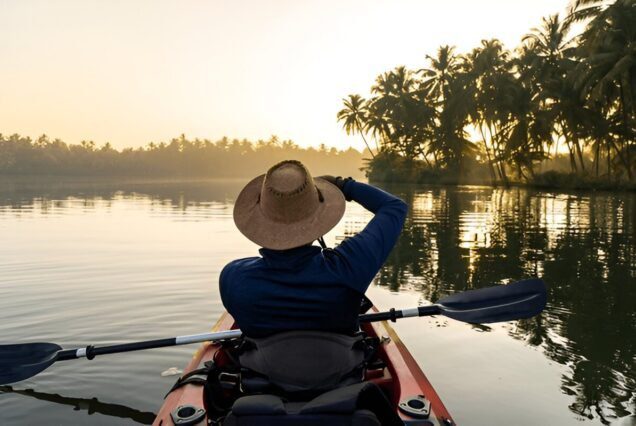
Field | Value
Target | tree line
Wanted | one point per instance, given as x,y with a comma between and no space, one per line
507,112
180,157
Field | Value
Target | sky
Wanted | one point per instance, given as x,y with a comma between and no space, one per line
130,72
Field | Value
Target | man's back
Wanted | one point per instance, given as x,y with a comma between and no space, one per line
308,288
295,291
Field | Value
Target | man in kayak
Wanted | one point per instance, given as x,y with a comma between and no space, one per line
293,284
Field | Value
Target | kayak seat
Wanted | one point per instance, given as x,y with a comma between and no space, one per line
306,363
345,406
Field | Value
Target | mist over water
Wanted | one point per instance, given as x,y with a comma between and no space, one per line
110,262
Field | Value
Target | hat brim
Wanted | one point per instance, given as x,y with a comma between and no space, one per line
265,232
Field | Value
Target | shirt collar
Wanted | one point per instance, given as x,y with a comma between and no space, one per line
289,259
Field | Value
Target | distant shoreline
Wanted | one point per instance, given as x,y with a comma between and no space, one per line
553,177
523,185
47,180
112,178
180,158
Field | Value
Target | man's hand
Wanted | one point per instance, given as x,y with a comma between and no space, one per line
331,179
338,181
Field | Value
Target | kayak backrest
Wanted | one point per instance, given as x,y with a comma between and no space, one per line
301,361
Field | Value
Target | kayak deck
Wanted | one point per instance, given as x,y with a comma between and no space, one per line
400,379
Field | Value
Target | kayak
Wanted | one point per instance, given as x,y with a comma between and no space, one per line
409,391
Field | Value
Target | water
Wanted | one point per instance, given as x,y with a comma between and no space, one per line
111,262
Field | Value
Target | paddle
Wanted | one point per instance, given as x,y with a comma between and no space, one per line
522,299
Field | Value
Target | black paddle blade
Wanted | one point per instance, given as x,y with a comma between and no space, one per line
523,299
19,362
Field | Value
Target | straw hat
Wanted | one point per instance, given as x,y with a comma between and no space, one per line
287,208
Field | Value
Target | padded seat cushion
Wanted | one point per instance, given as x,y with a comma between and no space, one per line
259,405
351,405
358,418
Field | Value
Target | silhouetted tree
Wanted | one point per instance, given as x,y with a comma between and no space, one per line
505,110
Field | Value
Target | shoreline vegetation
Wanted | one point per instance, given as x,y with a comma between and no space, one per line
27,161
559,111
180,158
387,168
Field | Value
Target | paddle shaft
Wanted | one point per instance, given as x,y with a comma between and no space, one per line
90,352
393,314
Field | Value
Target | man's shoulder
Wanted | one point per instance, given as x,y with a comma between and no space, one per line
232,279
238,265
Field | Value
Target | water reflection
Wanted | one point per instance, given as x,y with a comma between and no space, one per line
90,405
583,246
197,199
174,193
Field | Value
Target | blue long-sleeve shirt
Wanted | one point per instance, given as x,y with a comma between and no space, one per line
308,288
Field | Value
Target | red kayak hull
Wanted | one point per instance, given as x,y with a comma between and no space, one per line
401,379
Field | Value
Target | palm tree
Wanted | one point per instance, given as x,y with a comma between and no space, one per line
550,41
491,69
607,74
378,125
443,69
446,87
380,108
353,116
554,58
397,114
588,9
529,132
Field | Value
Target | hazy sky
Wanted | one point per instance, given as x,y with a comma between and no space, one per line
135,71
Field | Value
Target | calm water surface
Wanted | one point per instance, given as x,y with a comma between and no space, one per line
115,262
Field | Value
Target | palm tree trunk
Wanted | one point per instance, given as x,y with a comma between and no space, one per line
626,119
495,160
501,167
363,138
573,165
531,170
502,171
569,140
597,155
367,144
609,157
623,160
490,165
579,152
520,174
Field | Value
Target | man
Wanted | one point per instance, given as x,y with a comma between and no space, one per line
295,285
